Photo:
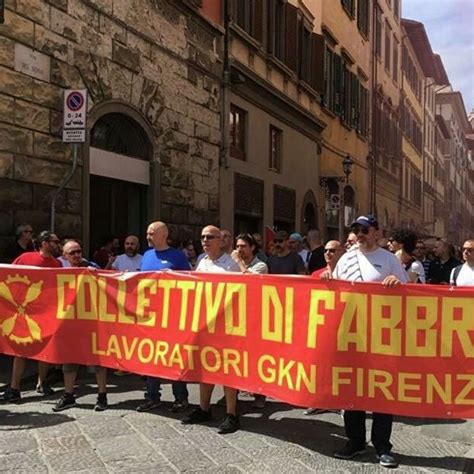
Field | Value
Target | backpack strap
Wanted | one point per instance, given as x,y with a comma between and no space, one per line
457,271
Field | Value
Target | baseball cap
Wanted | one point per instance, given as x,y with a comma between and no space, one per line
366,221
296,236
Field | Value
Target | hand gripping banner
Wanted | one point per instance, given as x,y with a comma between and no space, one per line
407,350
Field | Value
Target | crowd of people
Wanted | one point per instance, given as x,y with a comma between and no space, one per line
365,256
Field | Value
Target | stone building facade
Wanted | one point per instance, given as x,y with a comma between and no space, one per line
152,70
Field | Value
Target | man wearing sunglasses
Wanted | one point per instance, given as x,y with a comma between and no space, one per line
333,251
215,261
72,253
284,262
368,262
463,275
48,249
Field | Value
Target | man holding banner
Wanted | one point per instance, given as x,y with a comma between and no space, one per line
368,262
215,261
163,257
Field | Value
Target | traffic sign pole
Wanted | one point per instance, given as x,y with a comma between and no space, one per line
74,132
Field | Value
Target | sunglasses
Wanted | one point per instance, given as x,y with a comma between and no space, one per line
54,241
75,252
364,230
278,241
467,250
27,231
331,251
208,237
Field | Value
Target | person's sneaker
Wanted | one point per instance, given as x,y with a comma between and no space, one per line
101,403
179,406
197,416
349,451
259,402
149,405
66,401
44,389
387,460
11,395
229,425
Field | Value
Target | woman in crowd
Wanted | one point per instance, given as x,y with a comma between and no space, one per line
402,243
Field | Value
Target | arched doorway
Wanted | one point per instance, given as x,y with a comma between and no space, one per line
119,168
309,216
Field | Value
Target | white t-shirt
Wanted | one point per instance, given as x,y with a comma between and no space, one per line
465,276
225,263
124,263
257,266
417,267
304,256
356,265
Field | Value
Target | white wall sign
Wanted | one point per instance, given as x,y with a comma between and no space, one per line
74,135
32,63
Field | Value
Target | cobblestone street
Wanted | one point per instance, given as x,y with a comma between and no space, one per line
277,439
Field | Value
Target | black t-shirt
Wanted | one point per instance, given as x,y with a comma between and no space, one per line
291,264
316,259
441,272
15,250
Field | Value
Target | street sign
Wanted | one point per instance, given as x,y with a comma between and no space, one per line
77,135
75,109
334,201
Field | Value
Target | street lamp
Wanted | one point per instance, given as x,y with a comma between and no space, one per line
347,164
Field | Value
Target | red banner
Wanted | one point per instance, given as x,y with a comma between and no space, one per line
406,350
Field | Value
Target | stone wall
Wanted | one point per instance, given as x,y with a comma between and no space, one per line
159,56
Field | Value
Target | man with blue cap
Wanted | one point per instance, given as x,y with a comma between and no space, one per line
366,261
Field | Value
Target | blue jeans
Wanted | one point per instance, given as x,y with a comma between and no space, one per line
153,387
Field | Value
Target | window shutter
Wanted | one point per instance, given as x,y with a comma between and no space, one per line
258,20
291,56
337,80
317,63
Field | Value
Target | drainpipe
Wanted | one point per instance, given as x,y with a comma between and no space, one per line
63,185
225,104
374,127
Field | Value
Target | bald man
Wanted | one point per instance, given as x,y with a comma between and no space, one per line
130,260
163,257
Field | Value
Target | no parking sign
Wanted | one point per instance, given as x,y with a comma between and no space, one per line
74,119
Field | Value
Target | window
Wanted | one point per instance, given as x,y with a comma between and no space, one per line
276,28
237,131
395,60
363,16
344,93
248,14
387,47
378,32
349,6
274,161
304,66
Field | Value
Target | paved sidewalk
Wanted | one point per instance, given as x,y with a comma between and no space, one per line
277,439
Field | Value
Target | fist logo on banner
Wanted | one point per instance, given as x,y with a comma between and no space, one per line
20,328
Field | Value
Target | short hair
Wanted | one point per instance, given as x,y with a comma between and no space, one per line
19,230
406,237
281,234
250,239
